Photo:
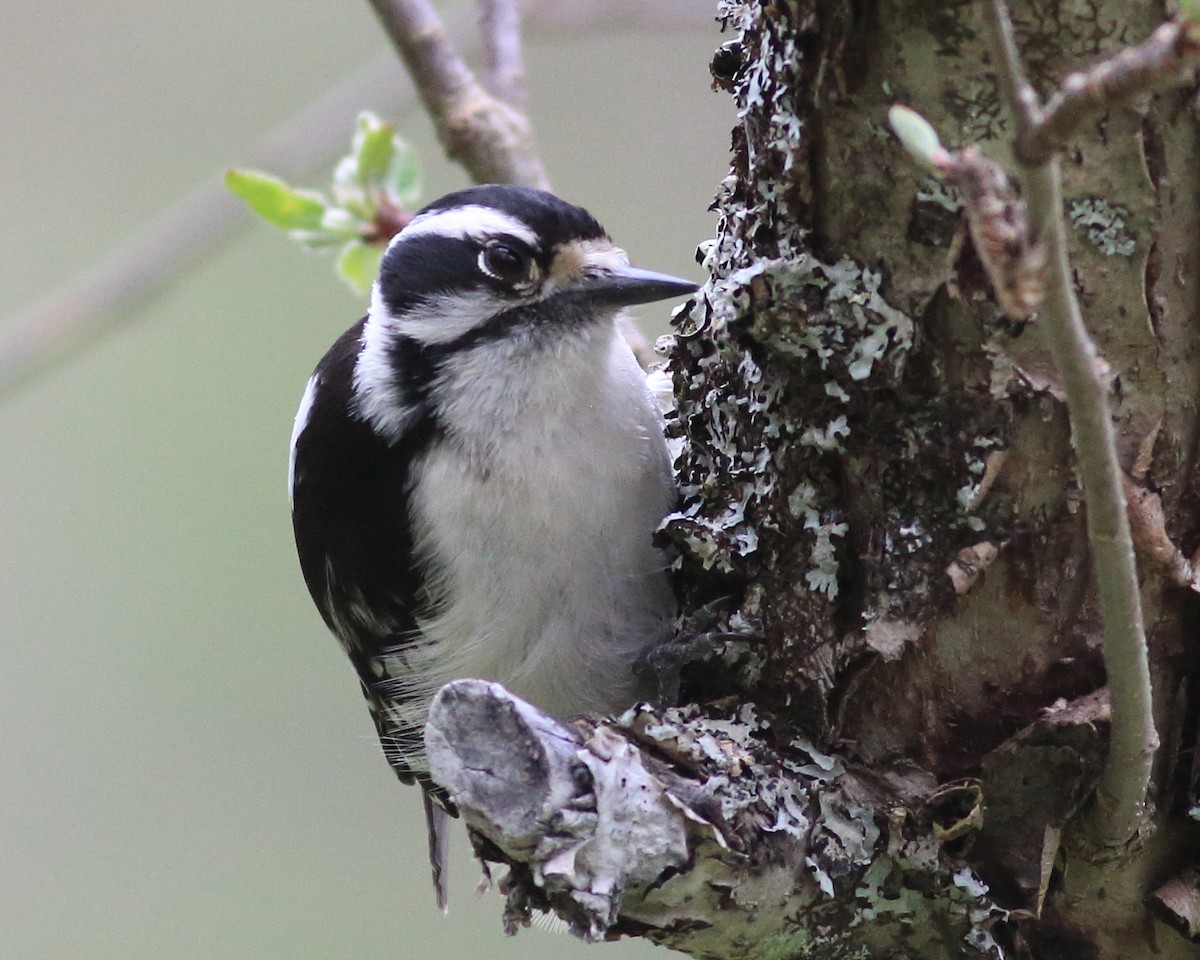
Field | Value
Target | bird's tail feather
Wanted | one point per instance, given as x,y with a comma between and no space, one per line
438,822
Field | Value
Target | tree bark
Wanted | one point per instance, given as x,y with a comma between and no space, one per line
899,713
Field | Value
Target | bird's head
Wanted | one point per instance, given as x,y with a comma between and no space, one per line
486,262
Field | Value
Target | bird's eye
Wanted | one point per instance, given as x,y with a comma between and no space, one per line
505,263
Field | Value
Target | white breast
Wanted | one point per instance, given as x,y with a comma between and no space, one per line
542,504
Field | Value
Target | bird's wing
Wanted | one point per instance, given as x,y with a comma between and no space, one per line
350,516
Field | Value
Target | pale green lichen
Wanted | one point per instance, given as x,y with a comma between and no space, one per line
827,436
1105,224
823,577
933,190
969,493
878,130
857,330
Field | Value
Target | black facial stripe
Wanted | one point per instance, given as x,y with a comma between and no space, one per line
419,365
428,266
543,316
424,266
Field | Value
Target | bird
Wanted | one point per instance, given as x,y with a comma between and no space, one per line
477,468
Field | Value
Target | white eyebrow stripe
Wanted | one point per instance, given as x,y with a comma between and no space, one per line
459,223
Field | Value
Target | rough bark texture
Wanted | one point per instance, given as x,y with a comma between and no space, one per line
703,831
878,484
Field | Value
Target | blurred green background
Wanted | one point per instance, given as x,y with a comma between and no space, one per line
186,766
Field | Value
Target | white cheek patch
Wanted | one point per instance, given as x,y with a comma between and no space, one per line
466,223
444,318
434,321
379,399
301,421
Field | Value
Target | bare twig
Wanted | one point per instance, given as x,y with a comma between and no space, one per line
500,22
1121,793
113,291
1015,88
489,138
1168,58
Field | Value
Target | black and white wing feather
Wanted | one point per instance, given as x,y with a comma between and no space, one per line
350,513
351,517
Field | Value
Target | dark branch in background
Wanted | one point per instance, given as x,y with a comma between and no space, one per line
491,140
112,291
500,23
1121,793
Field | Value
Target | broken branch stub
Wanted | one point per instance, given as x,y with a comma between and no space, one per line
693,830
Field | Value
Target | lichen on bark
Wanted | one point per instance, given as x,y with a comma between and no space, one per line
834,438
699,830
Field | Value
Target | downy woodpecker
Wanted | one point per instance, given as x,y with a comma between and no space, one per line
476,470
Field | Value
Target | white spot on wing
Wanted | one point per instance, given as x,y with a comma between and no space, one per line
301,421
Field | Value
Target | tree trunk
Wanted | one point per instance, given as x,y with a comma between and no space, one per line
901,682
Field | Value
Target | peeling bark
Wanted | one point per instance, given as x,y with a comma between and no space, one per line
688,829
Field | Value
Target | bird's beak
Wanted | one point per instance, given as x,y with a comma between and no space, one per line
626,286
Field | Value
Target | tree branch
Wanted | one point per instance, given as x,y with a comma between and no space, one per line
1168,58
1121,793
500,22
1015,88
694,832
491,140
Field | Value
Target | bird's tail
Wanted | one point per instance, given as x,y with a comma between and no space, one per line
438,822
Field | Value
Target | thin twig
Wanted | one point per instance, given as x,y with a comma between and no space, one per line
1015,88
500,24
490,139
1121,792
114,290
1168,58
1154,546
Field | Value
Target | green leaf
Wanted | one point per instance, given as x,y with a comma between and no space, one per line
358,265
275,201
374,145
403,179
916,134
